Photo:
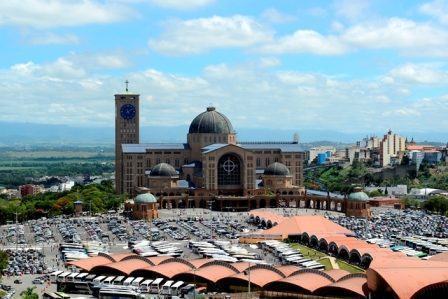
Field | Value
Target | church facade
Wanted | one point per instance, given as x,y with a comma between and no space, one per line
212,169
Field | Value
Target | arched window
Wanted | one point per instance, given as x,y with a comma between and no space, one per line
229,170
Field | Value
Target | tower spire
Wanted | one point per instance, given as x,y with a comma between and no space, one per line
127,85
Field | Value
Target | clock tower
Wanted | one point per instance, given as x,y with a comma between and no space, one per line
127,130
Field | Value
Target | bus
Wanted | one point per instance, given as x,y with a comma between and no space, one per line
188,289
62,276
166,288
155,285
81,276
90,278
145,286
54,276
136,282
50,295
99,279
128,281
109,280
118,293
118,280
175,288
62,295
71,277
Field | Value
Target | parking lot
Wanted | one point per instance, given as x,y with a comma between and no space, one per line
34,246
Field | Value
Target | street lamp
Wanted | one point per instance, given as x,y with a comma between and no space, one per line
194,282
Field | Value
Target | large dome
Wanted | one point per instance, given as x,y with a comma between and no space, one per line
358,195
145,198
163,169
277,169
211,121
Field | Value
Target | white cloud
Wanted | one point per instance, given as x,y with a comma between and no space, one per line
407,36
57,13
200,35
437,9
269,62
418,73
395,33
52,39
306,41
77,94
352,9
274,16
182,4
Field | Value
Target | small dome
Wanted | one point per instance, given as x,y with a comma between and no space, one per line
277,169
145,198
358,195
163,169
211,121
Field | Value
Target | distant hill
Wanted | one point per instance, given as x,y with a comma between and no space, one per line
13,133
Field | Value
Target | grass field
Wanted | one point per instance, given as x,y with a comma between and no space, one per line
4,168
323,259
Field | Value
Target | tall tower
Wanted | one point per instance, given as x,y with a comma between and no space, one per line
127,129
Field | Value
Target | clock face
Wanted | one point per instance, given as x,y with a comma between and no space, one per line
127,111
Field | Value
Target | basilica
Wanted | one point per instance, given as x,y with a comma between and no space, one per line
212,169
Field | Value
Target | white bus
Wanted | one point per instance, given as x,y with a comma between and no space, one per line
99,279
109,280
155,285
90,278
145,286
81,276
128,281
136,282
116,293
62,276
175,288
118,280
166,288
54,276
71,277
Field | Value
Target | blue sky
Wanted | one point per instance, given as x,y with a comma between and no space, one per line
346,65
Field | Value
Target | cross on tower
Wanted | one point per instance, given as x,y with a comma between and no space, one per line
127,85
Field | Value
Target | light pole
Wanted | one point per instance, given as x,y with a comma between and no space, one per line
248,282
194,282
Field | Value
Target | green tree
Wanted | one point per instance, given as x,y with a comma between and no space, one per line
405,160
437,203
412,203
29,294
375,193
3,261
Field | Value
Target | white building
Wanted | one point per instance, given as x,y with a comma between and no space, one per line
398,190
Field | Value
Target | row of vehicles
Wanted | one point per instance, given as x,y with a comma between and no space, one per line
224,250
289,256
103,286
146,248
